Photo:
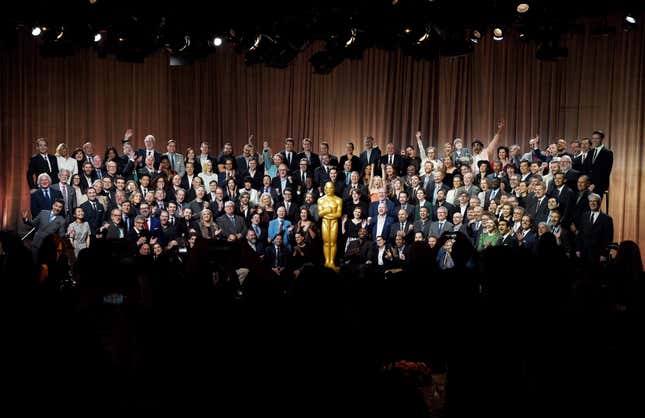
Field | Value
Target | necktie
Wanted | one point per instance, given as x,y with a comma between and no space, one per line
304,177
63,189
277,256
579,197
289,158
257,230
99,174
440,227
49,164
232,218
280,226
391,161
93,205
402,226
595,154
172,161
47,195
347,179
591,218
52,217
287,204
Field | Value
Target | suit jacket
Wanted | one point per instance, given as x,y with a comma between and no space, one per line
314,160
580,204
115,231
529,241
593,238
256,179
571,178
509,241
399,164
273,258
540,212
321,176
375,158
37,166
292,214
71,198
276,183
566,201
273,231
385,232
449,207
396,227
142,153
85,183
373,211
497,199
582,164
228,228
420,227
434,228
408,208
186,183
94,217
426,204
600,169
39,202
134,235
431,188
180,166
295,161
348,189
46,227
356,163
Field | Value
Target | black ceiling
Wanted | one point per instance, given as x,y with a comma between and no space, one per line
288,26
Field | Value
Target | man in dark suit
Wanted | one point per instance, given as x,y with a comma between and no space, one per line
290,156
537,206
582,160
362,250
434,187
151,223
43,162
382,199
115,229
602,161
403,225
232,225
313,160
282,181
580,201
595,232
254,246
300,176
324,150
149,150
321,173
392,158
506,233
255,173
370,155
405,205
441,225
67,192
380,224
526,237
94,212
43,197
47,222
422,224
495,193
571,175
565,196
443,203
276,257
138,235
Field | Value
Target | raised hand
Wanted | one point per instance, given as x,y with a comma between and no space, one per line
418,135
500,125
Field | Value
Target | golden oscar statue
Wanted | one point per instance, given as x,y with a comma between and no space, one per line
330,209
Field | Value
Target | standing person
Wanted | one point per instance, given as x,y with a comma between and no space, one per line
43,198
486,154
47,222
600,164
595,232
371,155
40,163
64,160
79,231
176,160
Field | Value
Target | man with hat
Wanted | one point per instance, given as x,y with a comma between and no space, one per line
488,153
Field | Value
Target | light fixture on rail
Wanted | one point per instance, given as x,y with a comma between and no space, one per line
498,34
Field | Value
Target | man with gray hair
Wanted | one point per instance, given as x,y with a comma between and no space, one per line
43,197
149,151
595,232
571,175
67,191
232,226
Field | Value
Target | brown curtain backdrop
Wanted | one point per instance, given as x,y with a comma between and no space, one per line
601,85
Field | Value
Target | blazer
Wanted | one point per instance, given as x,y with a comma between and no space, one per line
600,169
256,179
509,241
273,259
385,232
292,214
373,211
142,152
230,228
398,163
46,227
540,212
375,158
94,217
39,202
395,227
273,231
593,238
71,198
356,163
180,166
434,228
314,160
291,166
115,231
321,176
37,166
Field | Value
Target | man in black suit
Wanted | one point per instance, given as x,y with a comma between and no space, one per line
506,233
282,181
370,155
392,158
290,156
275,257
595,232
87,176
43,197
313,160
537,206
255,173
443,203
339,184
324,150
404,225
300,176
565,196
255,245
434,187
115,228
404,204
149,150
94,212
581,200
186,223
571,175
582,160
43,162
138,235
321,173
233,226
602,161
291,207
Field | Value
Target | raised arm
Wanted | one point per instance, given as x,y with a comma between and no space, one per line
422,151
492,145
268,157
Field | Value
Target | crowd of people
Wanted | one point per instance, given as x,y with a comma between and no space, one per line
163,204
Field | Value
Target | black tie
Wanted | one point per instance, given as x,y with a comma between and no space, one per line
277,256
47,196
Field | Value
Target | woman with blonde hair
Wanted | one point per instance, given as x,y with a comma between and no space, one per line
64,160
207,226
207,174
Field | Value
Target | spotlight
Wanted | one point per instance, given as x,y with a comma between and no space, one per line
256,44
407,30
36,31
630,19
186,43
522,8
60,34
475,36
498,35
98,37
217,41
351,39
424,37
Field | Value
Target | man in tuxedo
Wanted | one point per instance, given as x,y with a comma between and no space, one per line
188,176
602,161
392,158
370,154
94,212
289,155
441,225
507,237
67,192
232,226
276,257
595,232
47,222
149,151
43,197
255,173
583,158
300,176
537,206
313,160
565,197
176,160
42,162
138,235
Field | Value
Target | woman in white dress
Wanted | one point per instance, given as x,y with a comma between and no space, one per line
207,173
64,160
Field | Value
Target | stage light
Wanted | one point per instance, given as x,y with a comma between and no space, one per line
60,34
256,43
36,31
217,41
352,38
186,43
97,37
522,8
498,35
407,30
424,37
630,19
